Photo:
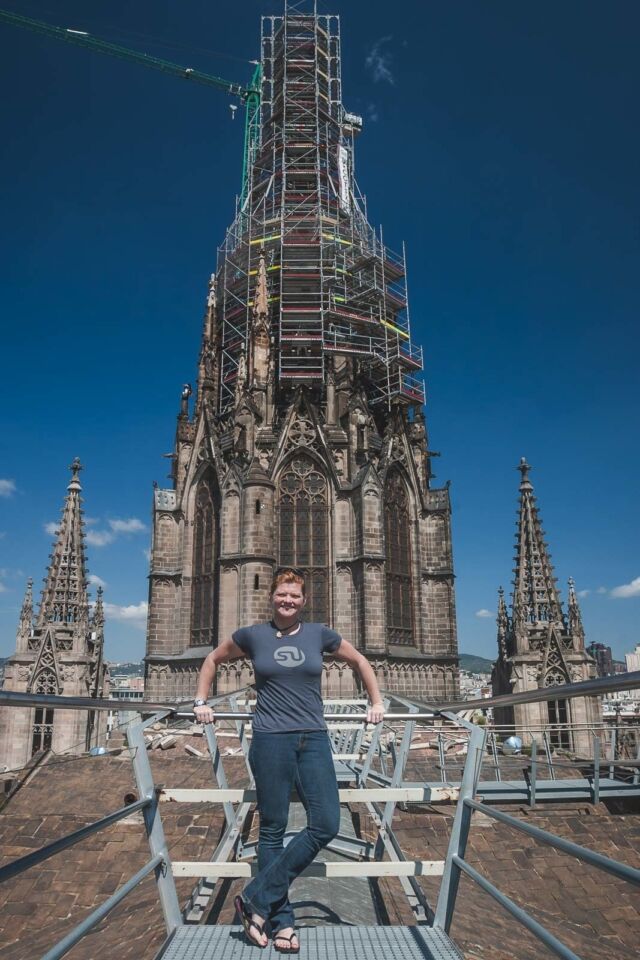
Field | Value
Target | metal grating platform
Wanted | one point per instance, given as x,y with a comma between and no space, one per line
316,943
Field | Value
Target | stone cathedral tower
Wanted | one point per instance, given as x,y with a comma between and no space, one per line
59,652
538,646
307,443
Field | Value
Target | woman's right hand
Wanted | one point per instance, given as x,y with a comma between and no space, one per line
203,714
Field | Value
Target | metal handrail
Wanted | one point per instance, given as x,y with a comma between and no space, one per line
521,915
620,870
565,691
585,688
455,863
78,932
31,859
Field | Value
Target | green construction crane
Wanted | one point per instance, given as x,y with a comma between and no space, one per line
250,95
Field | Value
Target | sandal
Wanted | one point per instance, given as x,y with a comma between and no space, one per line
289,940
248,923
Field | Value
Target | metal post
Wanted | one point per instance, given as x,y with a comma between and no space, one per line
496,759
396,781
219,775
374,746
547,750
459,834
242,737
441,756
153,826
612,751
533,772
595,793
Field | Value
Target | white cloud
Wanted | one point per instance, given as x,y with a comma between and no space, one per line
7,488
601,590
379,62
627,589
3,589
372,113
135,613
96,581
102,538
583,593
147,554
483,613
99,538
133,525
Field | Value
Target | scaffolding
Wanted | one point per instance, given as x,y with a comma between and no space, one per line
337,294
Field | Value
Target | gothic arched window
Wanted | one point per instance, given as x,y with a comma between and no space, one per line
303,540
205,555
45,682
397,538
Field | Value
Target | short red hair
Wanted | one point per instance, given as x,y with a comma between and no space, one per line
288,575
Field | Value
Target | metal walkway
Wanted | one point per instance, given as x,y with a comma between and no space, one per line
316,943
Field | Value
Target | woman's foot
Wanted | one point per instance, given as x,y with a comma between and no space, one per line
286,941
253,924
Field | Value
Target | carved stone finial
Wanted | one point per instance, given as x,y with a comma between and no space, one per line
75,468
261,301
184,399
211,296
524,468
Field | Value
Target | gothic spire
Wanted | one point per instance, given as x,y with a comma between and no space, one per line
535,596
98,611
575,617
64,598
503,622
261,298
206,362
26,614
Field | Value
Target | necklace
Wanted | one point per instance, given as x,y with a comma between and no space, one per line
284,631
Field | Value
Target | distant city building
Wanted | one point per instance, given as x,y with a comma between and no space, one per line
60,652
126,687
633,659
538,646
603,658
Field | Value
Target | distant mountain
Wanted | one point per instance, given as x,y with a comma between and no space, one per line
127,669
469,661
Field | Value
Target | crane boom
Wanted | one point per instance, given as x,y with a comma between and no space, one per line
250,95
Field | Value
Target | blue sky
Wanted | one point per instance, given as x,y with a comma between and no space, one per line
500,143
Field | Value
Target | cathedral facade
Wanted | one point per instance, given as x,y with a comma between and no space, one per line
306,441
58,652
539,646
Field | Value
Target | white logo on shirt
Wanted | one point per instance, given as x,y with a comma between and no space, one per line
289,656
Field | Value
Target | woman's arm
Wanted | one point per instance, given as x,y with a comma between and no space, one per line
347,652
227,650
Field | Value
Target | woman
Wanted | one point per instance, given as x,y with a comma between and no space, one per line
290,746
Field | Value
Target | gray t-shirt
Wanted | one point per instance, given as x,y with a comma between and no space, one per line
288,673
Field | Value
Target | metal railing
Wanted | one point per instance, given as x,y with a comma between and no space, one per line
456,864
380,799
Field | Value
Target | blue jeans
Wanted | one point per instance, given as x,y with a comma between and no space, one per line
279,761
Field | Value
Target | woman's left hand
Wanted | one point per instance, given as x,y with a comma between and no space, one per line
375,713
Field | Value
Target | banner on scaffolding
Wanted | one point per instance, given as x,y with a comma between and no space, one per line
343,172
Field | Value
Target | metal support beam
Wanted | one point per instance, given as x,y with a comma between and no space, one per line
153,825
459,833
385,868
